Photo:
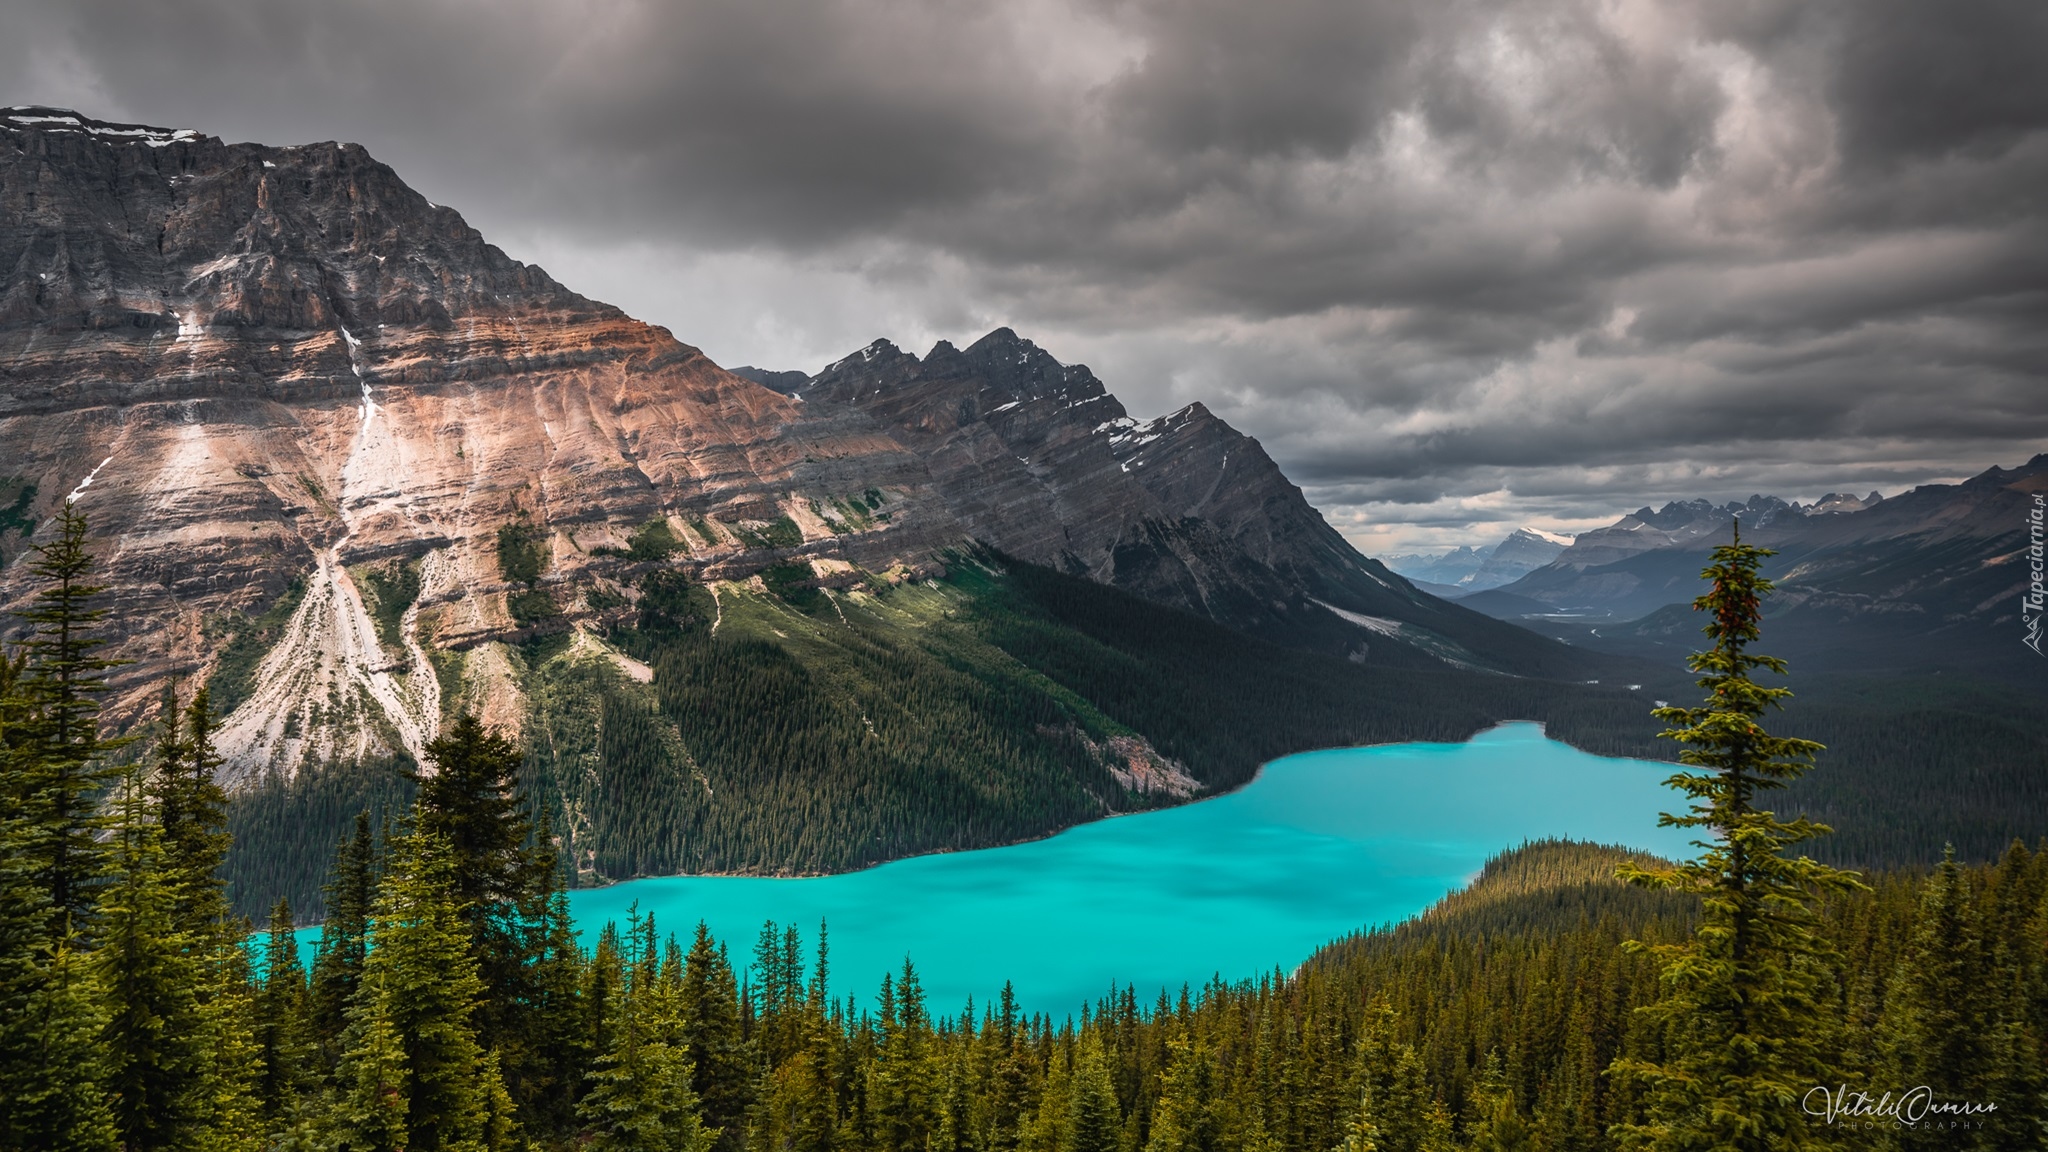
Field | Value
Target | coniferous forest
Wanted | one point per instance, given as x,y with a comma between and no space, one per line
1573,997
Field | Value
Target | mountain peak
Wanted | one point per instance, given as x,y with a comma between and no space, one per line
42,118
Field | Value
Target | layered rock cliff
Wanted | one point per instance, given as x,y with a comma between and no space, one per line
264,372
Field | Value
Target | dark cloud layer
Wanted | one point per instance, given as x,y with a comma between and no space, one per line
1458,264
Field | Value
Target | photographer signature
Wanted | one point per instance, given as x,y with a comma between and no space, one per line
1908,1107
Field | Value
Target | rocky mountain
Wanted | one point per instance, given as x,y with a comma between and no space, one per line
1930,579
338,450
1036,458
1524,551
1464,570
787,383
1449,570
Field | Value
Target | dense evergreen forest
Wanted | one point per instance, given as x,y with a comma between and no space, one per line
797,729
1573,997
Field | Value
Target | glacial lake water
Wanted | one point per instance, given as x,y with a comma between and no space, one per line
1320,845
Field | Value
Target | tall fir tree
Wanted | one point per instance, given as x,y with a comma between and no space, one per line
1745,1012
1941,1022
57,1101
150,979
64,678
411,1062
1185,1120
192,811
640,1097
708,1032
1093,1121
285,1052
502,875
344,937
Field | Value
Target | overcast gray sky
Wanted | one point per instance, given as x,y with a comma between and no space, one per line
1459,265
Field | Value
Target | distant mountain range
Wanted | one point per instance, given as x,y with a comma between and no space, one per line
1929,580
1466,569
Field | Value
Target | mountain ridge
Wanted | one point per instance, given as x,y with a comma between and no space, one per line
300,378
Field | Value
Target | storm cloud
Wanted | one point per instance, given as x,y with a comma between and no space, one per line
1460,266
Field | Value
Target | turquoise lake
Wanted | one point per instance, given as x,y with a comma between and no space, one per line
1320,845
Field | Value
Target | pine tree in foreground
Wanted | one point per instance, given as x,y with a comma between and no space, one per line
62,775
344,938
640,1098
56,1101
150,982
1745,1017
411,1064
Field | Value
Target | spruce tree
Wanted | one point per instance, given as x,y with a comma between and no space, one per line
412,1026
640,1097
1938,1029
559,1041
192,810
64,773
1396,1110
500,876
2014,930
1184,1120
25,937
344,937
56,1100
283,1038
1744,1012
155,1038
708,1032
1093,1122
903,1090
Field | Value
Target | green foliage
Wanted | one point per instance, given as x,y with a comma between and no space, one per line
249,640
794,585
641,1097
61,773
1743,1015
522,553
337,974
781,533
923,717
412,1074
532,606
286,1057
284,832
15,517
191,812
56,1073
671,602
497,876
151,979
653,540
601,598
476,1021
389,588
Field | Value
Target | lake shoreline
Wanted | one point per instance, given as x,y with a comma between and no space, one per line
1063,829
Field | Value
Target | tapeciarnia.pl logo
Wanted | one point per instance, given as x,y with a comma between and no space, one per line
2036,599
